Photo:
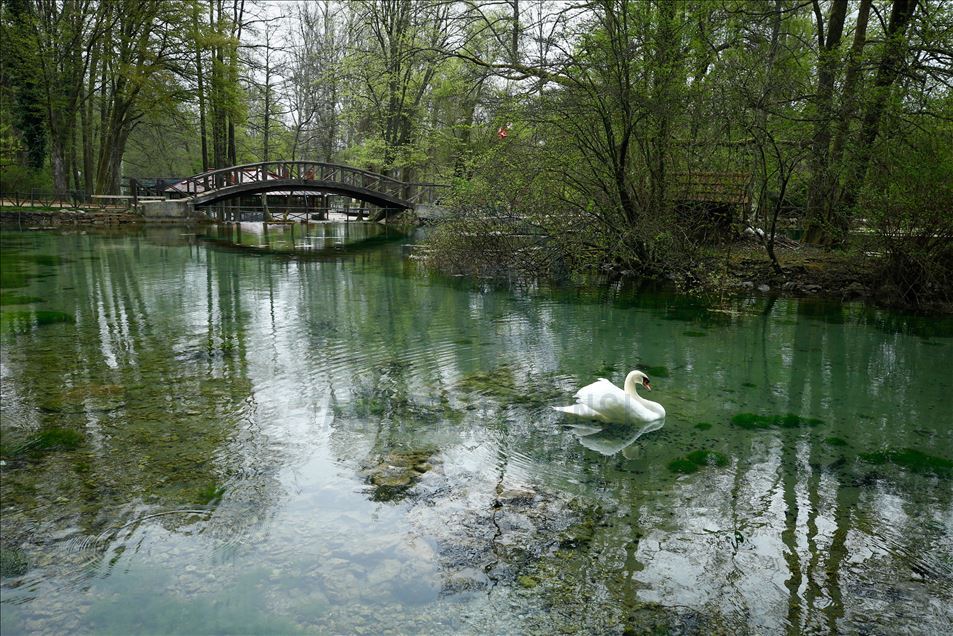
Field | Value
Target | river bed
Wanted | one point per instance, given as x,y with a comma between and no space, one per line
299,430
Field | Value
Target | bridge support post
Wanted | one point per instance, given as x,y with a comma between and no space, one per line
266,215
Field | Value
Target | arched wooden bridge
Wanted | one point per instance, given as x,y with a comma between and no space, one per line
298,176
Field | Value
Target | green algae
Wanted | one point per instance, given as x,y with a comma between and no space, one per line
11,298
13,562
694,334
703,426
697,459
605,371
208,494
911,459
392,474
23,320
387,395
49,260
48,439
656,371
752,421
835,441
683,466
500,384
95,397
57,438
708,458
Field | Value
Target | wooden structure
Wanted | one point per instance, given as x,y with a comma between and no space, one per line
298,176
712,188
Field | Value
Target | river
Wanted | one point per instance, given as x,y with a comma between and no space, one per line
302,431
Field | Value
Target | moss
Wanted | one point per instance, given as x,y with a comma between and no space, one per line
749,385
527,582
835,441
913,460
752,421
708,458
683,466
703,426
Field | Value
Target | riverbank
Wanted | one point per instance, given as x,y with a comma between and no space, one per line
810,271
37,218
34,218
738,269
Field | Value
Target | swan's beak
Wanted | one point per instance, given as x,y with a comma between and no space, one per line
645,383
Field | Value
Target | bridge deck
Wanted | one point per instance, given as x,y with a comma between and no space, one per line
298,176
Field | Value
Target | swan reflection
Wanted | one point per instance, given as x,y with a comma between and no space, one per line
609,439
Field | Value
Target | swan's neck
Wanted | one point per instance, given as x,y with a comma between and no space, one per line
632,388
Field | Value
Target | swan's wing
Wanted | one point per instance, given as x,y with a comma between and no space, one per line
580,410
608,400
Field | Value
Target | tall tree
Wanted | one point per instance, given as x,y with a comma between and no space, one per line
821,190
889,68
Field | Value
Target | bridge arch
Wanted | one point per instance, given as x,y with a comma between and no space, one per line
316,176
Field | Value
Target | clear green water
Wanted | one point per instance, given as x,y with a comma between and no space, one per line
199,439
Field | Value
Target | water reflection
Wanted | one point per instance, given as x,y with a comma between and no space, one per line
613,438
246,441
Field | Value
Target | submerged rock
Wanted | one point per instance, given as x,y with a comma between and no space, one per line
396,472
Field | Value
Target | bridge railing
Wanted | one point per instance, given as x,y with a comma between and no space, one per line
307,171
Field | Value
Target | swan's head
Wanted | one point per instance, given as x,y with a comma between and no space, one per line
636,378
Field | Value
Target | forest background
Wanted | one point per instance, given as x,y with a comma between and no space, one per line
837,115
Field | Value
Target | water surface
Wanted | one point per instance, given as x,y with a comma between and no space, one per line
201,438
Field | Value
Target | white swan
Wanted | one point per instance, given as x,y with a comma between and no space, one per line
605,402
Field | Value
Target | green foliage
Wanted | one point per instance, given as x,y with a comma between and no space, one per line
28,135
24,179
907,203
708,458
